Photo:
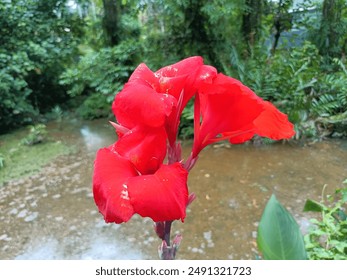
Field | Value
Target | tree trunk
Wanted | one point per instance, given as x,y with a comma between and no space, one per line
277,25
282,21
329,29
111,20
251,21
197,36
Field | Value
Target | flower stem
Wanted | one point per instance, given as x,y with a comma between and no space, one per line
167,232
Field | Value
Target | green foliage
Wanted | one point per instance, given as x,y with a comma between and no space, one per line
331,34
37,134
103,71
187,121
100,75
332,96
327,239
279,236
57,113
37,39
94,106
173,30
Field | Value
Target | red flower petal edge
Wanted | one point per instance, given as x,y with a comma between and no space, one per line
162,196
138,104
145,147
110,190
119,191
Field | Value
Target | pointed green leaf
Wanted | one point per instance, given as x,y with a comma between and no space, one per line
313,206
279,236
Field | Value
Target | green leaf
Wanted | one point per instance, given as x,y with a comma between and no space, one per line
313,206
341,215
279,236
343,192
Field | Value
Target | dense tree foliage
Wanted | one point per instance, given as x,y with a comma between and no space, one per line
83,51
38,39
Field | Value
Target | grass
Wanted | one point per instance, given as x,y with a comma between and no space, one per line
18,160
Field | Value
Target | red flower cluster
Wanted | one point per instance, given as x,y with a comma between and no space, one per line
131,177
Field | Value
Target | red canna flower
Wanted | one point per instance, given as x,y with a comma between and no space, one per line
230,110
120,191
130,176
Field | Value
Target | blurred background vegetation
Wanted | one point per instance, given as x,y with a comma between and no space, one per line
73,56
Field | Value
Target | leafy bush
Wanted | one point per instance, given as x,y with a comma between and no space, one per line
327,239
95,106
37,134
56,113
37,39
100,75
15,107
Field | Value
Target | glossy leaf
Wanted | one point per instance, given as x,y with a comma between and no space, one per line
279,237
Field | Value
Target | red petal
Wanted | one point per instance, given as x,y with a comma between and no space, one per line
143,75
184,76
239,137
206,74
273,124
231,110
162,196
145,147
140,104
183,67
226,106
109,186
181,80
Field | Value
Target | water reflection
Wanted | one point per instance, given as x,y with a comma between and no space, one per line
52,215
91,140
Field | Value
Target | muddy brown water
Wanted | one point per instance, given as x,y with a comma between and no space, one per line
52,215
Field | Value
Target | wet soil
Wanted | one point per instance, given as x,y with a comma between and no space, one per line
52,215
